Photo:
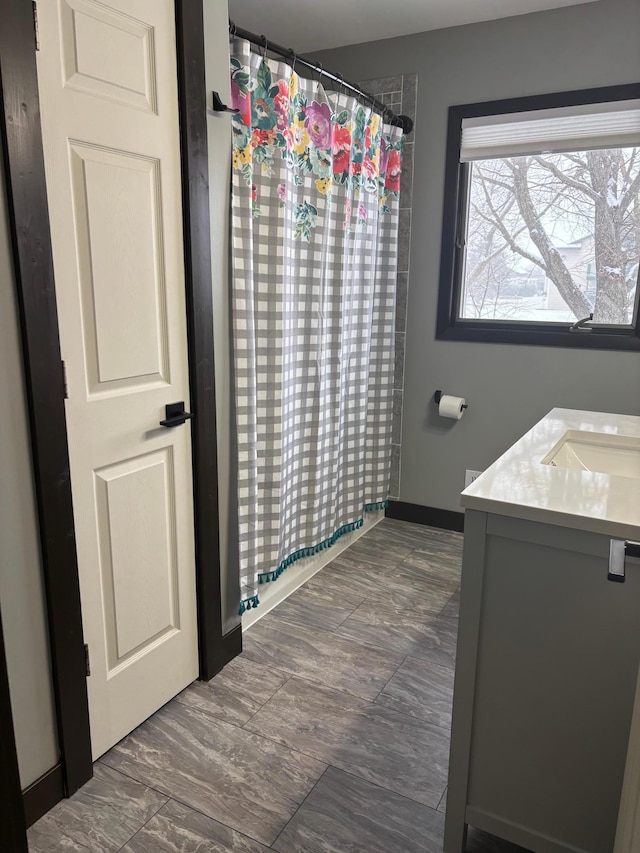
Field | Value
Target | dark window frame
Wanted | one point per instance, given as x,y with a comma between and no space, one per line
449,326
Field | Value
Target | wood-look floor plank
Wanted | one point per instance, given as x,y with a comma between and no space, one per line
102,815
179,829
422,689
344,813
236,693
321,656
245,781
402,753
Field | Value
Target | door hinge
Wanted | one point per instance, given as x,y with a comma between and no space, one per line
36,29
87,662
64,381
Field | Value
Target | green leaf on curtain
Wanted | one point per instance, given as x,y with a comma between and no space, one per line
305,215
299,104
247,173
301,161
241,79
264,77
342,118
320,161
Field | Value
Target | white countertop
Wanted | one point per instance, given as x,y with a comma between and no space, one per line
519,485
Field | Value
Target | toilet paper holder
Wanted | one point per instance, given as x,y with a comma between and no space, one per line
438,396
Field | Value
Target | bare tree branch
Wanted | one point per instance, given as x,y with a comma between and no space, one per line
556,268
565,178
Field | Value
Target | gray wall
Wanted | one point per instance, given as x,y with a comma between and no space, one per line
508,388
21,590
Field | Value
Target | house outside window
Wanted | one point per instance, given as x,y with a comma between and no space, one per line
541,225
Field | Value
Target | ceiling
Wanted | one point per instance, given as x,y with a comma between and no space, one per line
308,25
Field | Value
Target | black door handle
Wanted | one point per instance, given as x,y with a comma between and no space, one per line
176,415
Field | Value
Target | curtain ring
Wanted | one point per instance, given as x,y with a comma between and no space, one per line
340,79
265,46
294,60
320,70
232,28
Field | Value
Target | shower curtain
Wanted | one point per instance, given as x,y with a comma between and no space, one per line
315,186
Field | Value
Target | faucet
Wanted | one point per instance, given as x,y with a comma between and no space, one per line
579,325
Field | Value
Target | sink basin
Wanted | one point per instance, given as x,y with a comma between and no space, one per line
605,453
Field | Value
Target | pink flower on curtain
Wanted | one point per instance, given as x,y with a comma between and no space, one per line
347,213
341,149
394,167
281,103
241,102
262,137
318,123
369,167
279,127
384,155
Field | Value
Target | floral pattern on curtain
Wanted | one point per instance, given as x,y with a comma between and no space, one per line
316,180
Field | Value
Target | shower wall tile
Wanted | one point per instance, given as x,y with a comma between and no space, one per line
399,94
383,85
401,301
394,481
398,373
409,95
404,239
396,433
406,179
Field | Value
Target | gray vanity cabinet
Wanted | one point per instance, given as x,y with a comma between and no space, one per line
547,663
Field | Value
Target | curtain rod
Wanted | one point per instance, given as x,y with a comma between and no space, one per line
290,56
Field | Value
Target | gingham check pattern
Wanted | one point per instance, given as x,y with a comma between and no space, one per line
313,334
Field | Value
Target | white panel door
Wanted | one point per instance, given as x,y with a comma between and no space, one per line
108,92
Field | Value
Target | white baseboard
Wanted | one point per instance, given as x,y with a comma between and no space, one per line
272,594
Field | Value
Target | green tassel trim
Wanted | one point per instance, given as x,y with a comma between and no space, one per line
376,506
248,603
303,553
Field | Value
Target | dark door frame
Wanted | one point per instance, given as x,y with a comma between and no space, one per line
21,136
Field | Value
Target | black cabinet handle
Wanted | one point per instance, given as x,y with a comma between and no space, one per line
632,549
176,415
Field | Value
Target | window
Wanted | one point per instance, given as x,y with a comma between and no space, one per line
541,225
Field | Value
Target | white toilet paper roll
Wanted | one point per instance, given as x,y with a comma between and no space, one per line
451,407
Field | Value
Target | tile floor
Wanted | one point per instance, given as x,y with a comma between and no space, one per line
330,732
